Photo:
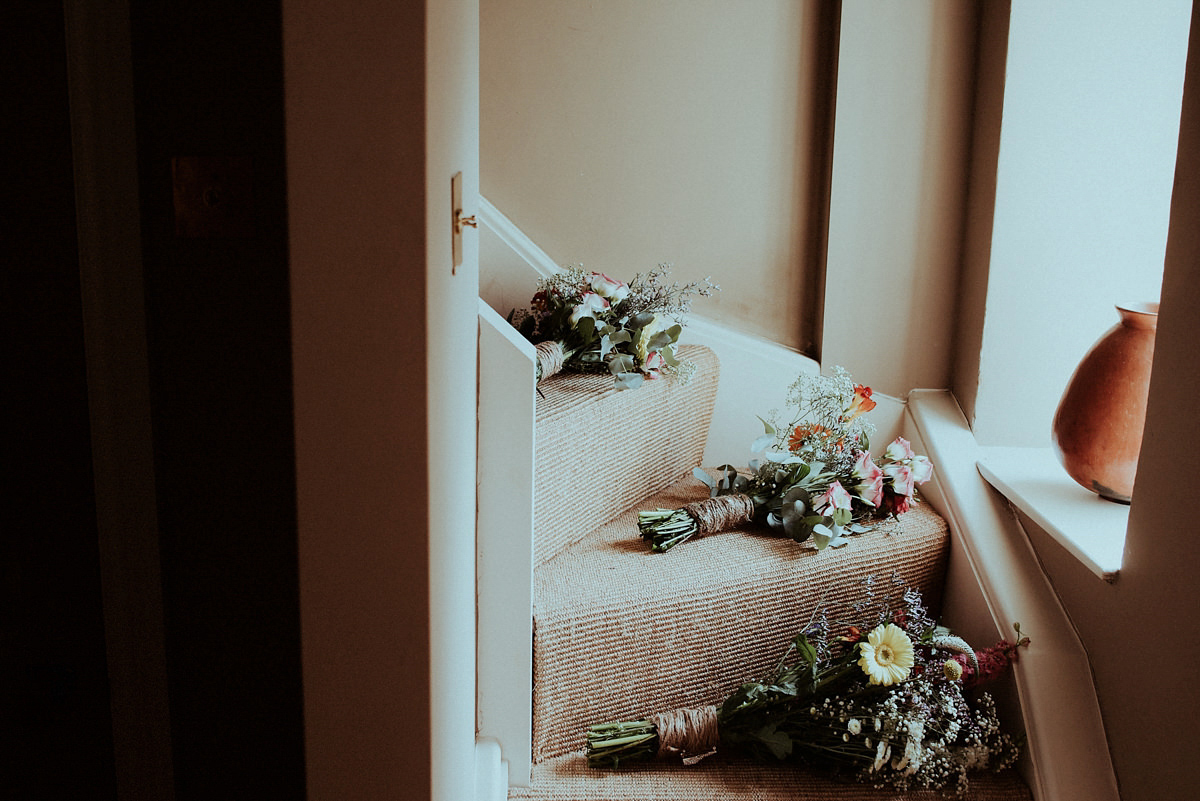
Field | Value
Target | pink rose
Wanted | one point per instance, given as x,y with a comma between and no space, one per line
835,497
654,362
922,469
899,479
610,288
869,479
899,450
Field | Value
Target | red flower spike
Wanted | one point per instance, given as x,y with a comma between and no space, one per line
992,661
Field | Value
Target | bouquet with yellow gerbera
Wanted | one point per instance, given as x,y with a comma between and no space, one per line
881,701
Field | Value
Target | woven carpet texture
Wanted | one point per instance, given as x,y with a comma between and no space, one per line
620,632
567,778
600,451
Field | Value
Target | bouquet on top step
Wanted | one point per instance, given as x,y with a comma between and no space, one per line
815,479
588,322
881,699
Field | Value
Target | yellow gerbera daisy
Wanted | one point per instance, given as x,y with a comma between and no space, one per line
887,655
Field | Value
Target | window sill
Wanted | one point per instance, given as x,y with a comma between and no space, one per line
1088,526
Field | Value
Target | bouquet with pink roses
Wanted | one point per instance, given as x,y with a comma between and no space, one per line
812,477
589,322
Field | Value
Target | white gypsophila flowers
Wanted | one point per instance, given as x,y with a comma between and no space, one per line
855,726
821,401
882,753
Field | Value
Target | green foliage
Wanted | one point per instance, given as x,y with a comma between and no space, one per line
607,325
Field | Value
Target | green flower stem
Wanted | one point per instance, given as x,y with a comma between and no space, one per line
610,744
666,528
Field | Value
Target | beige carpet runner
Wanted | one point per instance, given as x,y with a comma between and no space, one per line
600,451
568,778
620,632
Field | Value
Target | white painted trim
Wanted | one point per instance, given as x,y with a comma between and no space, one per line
491,772
1068,750
516,239
1089,527
504,542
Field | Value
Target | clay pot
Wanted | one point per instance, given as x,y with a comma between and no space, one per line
1098,426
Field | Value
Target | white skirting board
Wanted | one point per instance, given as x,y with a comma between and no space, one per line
491,772
504,543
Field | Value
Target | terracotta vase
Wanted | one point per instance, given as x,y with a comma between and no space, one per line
1098,426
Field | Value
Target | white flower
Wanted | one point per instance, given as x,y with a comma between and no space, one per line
610,288
642,348
855,726
588,305
886,655
882,753
922,469
899,450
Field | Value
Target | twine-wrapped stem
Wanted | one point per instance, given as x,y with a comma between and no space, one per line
666,528
720,513
550,359
691,733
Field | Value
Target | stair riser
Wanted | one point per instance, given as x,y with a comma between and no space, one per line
600,451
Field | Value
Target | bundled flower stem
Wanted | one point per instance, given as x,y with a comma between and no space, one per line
588,322
817,478
886,707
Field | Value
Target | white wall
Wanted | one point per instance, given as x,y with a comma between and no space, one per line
380,113
626,133
899,176
1085,162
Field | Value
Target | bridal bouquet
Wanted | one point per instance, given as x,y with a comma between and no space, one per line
881,700
815,478
585,321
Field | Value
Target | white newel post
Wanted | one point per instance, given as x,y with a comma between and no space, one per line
504,548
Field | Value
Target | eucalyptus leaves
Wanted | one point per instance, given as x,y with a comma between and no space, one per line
589,322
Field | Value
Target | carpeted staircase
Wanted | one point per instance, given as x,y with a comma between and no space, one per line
620,632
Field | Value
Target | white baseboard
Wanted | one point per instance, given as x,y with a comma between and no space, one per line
491,772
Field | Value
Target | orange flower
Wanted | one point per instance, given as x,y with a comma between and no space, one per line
801,434
861,403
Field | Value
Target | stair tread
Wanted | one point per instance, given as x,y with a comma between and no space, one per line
567,778
621,632
600,451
